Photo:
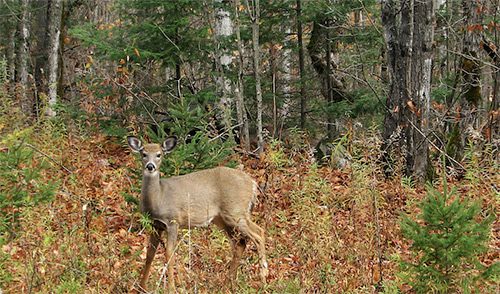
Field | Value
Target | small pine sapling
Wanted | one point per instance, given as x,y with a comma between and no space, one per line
447,239
201,144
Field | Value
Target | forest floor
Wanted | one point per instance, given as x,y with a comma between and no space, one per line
328,230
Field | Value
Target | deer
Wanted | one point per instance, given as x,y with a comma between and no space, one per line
222,196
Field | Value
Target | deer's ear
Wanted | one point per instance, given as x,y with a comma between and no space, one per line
134,144
169,144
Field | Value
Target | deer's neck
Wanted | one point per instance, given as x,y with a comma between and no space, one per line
150,192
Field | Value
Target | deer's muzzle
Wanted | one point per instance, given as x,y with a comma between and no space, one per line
150,167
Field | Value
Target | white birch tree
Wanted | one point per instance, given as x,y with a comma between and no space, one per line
254,13
22,58
54,32
239,90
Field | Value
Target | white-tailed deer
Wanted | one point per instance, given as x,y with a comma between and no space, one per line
220,195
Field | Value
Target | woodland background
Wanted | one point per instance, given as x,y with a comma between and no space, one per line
370,126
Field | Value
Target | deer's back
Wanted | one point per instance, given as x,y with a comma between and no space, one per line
204,195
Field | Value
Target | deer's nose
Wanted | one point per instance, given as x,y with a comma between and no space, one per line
150,167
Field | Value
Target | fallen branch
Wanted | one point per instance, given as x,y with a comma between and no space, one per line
49,158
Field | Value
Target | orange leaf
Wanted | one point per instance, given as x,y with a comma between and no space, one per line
411,106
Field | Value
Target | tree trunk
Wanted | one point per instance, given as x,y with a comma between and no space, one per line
26,102
240,101
303,98
282,73
420,83
321,51
358,74
178,76
492,129
55,14
67,9
11,56
329,88
223,30
40,43
470,99
466,112
409,58
255,17
398,39
273,56
398,53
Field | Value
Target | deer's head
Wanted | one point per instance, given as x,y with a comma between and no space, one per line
152,154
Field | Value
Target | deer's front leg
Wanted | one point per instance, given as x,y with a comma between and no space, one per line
172,230
154,241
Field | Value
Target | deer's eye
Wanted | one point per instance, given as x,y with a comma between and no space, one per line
144,155
158,155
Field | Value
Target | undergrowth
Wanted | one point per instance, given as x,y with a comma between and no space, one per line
328,230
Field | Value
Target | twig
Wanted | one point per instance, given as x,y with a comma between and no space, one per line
221,134
179,55
434,145
138,98
48,157
493,66
377,233
12,12
165,266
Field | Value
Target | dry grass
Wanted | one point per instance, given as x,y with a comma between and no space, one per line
328,230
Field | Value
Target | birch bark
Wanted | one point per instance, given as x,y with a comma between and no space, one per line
239,91
223,30
26,102
254,12
55,14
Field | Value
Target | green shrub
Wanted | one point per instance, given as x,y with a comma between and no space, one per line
22,184
200,145
446,242
5,267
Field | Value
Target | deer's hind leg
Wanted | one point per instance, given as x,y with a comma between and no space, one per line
256,234
238,245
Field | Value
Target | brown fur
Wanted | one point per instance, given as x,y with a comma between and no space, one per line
221,195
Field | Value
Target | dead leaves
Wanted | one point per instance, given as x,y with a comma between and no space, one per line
413,108
313,237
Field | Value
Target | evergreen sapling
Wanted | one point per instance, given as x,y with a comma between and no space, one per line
447,239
